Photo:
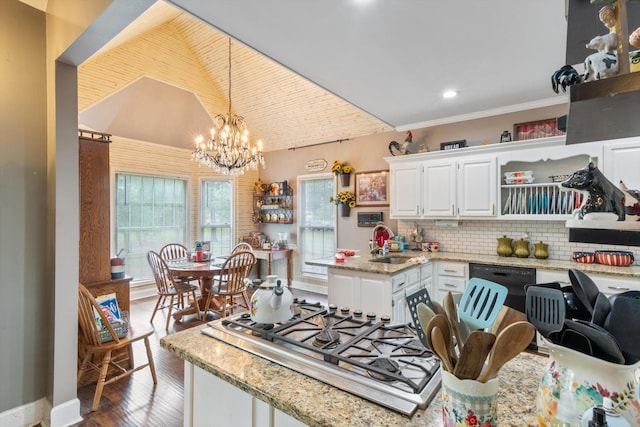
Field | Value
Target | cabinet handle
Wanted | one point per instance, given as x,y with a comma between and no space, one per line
453,209
417,209
449,271
450,285
618,288
493,209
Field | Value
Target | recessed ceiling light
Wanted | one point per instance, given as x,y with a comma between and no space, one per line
449,94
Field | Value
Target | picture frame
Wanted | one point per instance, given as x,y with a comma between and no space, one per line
536,129
372,188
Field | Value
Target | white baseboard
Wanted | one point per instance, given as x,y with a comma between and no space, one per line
309,287
139,292
27,415
65,414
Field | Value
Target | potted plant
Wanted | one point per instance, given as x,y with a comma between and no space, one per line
342,170
345,200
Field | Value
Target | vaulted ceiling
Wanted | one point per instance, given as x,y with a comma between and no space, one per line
310,72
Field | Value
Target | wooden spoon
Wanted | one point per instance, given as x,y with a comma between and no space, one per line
452,315
438,308
425,314
473,355
509,343
442,323
506,317
440,348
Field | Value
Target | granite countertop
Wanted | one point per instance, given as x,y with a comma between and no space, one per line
318,404
362,263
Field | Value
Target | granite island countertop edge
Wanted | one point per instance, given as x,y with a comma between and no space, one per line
318,404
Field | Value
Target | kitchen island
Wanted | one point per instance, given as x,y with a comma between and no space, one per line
312,402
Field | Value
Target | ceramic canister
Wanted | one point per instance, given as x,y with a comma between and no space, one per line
591,379
469,402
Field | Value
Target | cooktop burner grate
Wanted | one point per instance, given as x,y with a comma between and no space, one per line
384,363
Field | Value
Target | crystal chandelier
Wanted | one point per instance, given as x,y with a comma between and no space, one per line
228,150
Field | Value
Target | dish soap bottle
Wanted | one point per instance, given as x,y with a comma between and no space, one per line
385,247
567,415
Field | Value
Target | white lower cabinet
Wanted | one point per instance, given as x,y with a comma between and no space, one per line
210,401
382,294
451,277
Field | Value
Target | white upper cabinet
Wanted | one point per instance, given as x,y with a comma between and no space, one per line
440,188
622,162
459,188
477,186
405,190
468,183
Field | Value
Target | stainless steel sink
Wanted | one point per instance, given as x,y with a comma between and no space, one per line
390,260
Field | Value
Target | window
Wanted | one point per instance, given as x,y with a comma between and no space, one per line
216,215
151,211
317,220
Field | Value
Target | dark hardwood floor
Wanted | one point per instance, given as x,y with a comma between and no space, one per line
134,401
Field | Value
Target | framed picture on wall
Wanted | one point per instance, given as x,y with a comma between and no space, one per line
537,129
372,188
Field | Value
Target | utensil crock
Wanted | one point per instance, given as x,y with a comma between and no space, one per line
591,379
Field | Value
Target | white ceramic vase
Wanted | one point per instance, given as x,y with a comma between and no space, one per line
591,379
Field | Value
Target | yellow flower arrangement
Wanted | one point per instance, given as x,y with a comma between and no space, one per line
340,168
260,187
344,198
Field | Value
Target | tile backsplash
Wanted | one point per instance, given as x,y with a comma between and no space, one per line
480,237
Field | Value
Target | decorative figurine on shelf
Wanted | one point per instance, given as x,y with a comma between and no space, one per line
506,136
603,63
401,149
634,38
565,76
603,195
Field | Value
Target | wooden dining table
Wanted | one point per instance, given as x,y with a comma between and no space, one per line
204,271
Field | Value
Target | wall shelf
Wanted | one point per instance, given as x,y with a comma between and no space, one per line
273,208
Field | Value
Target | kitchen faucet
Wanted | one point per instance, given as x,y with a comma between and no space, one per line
374,244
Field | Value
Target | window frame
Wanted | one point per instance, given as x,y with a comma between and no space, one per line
305,270
139,281
201,206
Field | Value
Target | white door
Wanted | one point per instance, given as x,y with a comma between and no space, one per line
405,190
440,189
621,161
477,187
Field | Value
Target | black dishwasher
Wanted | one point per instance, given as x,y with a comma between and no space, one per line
512,278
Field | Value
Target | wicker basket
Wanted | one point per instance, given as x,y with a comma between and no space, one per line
121,328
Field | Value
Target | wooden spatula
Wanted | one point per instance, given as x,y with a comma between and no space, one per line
506,317
424,317
473,355
509,343
452,316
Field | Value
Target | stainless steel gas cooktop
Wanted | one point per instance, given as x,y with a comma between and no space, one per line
384,363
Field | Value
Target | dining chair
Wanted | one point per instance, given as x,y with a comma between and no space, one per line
242,247
230,285
98,348
173,252
168,287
